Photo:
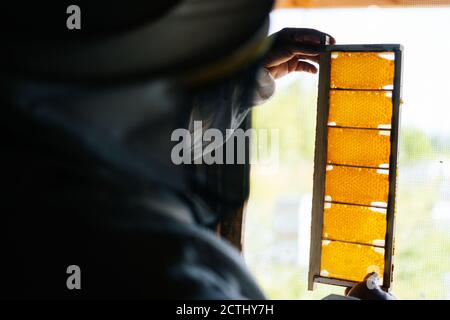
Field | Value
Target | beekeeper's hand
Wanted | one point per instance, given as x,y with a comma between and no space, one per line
293,49
369,289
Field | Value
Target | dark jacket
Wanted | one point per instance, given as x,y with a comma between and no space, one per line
61,205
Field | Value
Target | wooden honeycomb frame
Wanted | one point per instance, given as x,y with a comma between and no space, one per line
320,164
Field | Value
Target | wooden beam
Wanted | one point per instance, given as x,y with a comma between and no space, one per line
231,228
358,3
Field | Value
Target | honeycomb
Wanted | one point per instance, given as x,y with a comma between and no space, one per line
354,224
356,185
361,70
360,109
350,261
358,147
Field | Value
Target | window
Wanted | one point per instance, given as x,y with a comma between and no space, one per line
279,211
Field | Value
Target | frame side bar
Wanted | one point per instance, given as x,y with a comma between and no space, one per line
320,158
396,101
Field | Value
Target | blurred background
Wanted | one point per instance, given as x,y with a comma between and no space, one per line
277,222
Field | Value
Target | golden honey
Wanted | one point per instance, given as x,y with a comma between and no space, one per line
354,223
361,70
350,261
368,148
360,109
357,185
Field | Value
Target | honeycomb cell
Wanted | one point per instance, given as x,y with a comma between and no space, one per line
361,70
354,224
350,261
360,109
358,147
361,186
